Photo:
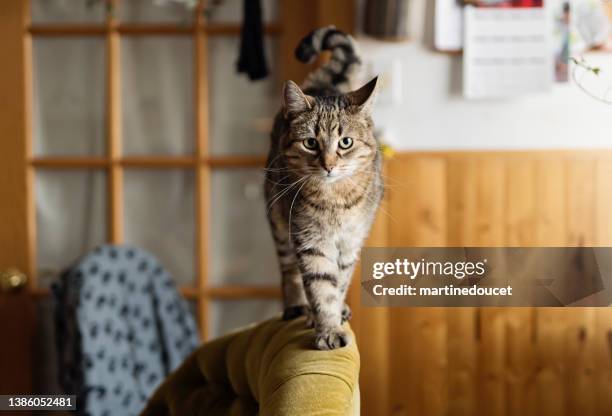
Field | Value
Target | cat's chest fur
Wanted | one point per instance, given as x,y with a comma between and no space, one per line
341,213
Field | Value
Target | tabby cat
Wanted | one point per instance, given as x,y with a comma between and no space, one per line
323,184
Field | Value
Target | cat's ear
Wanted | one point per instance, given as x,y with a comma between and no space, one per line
294,100
364,97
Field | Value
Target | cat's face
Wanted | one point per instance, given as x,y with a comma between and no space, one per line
330,138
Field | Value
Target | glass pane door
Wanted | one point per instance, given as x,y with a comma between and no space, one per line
143,133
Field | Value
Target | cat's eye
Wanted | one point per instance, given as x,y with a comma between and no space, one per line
345,143
310,143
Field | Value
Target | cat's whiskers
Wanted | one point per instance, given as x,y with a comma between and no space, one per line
296,172
277,183
288,188
293,202
274,170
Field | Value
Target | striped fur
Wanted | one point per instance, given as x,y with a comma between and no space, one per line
339,73
323,185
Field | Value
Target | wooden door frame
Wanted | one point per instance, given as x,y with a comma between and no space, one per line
16,178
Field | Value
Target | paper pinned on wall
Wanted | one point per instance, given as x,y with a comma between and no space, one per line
506,52
560,15
449,25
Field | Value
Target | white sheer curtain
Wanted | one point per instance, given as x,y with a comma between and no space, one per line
241,111
71,217
69,96
68,118
242,251
148,11
57,11
160,217
157,95
231,11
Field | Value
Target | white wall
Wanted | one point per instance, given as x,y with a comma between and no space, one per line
433,114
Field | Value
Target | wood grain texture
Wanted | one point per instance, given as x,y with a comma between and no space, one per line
303,18
340,13
371,327
521,231
580,201
551,208
496,361
462,361
17,216
603,316
16,190
419,348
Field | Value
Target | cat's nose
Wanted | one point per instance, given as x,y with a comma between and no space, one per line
329,168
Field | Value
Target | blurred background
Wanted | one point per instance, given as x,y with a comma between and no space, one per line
127,122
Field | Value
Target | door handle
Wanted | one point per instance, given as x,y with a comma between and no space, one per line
12,280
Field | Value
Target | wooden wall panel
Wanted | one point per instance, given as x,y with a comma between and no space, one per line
521,205
580,201
521,231
476,201
551,226
579,331
521,389
549,357
371,328
419,348
462,322
603,203
462,364
417,202
579,362
603,362
603,316
551,209
496,361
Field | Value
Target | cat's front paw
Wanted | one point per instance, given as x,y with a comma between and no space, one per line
346,313
293,312
332,339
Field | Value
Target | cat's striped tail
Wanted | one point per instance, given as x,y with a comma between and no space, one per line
336,75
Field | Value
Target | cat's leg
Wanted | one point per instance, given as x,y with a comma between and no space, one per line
345,279
348,255
295,303
318,264
347,314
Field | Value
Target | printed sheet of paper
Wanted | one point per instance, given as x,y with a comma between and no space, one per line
449,25
506,52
